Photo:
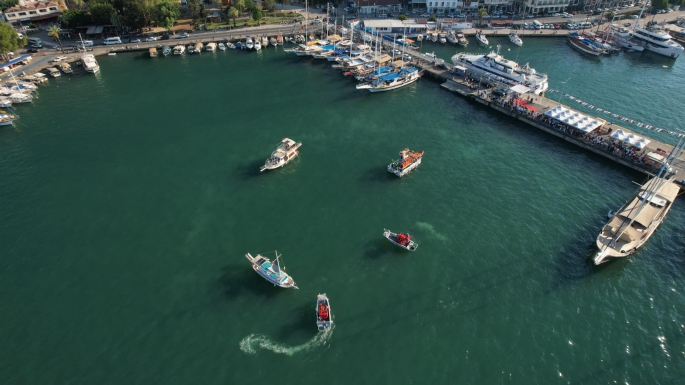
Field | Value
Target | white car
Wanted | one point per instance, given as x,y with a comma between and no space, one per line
134,40
556,14
183,36
151,38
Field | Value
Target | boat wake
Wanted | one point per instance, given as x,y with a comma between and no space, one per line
254,342
430,229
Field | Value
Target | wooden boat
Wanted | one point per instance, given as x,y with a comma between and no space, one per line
54,72
285,152
153,52
66,68
402,240
271,271
323,312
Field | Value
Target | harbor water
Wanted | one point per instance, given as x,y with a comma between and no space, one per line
131,197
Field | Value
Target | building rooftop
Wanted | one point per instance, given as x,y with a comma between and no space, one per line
31,6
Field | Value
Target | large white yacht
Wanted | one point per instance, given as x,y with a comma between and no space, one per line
494,64
90,64
658,41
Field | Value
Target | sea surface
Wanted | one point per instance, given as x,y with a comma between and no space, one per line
130,198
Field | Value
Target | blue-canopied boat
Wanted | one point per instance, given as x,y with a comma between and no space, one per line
271,271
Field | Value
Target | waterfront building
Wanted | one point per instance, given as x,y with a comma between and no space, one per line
391,27
378,7
33,12
545,6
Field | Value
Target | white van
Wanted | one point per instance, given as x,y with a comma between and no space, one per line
88,43
112,40
35,40
537,24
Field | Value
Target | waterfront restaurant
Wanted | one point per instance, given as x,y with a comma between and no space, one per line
408,28
38,12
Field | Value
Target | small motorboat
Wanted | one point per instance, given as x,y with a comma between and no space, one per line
257,45
222,47
273,41
482,40
231,45
419,38
323,312
514,37
285,152
166,50
402,240
66,68
54,72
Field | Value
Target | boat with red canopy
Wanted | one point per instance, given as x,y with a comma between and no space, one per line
402,240
323,312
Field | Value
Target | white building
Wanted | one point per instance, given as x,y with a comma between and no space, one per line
545,6
377,7
32,12
450,6
409,28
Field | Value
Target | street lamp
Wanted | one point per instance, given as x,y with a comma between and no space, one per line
562,89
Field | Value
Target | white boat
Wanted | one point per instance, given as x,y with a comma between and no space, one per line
442,37
90,64
230,45
198,47
585,44
392,81
461,39
5,102
211,47
179,49
6,119
502,70
249,44
632,225
166,50
658,41
222,47
434,37
190,49
419,38
279,39
402,240
323,312
407,162
481,38
514,38
273,41
20,98
452,37
285,152
54,72
273,273
265,41
257,45
66,68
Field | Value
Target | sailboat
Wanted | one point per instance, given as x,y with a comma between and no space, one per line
632,225
89,63
271,271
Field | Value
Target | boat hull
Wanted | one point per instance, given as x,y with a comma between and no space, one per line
323,322
392,237
406,170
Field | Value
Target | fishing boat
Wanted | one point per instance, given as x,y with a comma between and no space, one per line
190,48
90,64
481,38
402,240
271,271
54,72
323,312
211,47
249,44
632,225
18,98
392,81
179,49
222,47
494,66
514,38
407,162
6,118
265,41
257,45
66,68
166,50
153,52
461,39
585,44
285,152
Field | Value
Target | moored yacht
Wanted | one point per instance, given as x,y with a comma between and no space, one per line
514,38
54,72
271,271
179,49
407,162
285,152
6,119
585,44
211,47
481,38
66,68
257,45
90,64
392,81
249,44
222,47
658,41
493,64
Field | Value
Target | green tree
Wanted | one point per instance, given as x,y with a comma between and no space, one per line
101,12
676,2
54,32
660,4
9,40
481,14
194,8
402,17
249,4
268,5
609,15
137,14
256,14
240,5
8,3
72,18
283,2
168,11
232,13
433,18
76,4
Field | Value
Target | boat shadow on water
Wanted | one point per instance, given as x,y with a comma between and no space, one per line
250,169
377,174
377,248
241,280
300,322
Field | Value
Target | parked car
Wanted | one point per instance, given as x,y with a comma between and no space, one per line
183,35
634,17
134,40
151,38
556,14
165,37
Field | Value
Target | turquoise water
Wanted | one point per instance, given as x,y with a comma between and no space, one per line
131,197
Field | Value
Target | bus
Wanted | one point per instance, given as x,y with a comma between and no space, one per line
112,40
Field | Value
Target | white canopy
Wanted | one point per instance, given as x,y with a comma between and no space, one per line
573,118
630,138
520,89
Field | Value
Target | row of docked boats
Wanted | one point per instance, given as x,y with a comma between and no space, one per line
458,38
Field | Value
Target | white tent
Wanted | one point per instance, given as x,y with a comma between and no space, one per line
573,118
630,138
520,89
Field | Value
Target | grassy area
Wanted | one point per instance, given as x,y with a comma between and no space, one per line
248,22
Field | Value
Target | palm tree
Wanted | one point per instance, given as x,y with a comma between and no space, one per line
482,13
54,32
233,13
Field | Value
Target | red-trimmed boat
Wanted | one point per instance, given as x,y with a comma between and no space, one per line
402,240
323,312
